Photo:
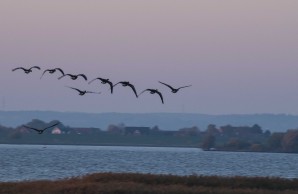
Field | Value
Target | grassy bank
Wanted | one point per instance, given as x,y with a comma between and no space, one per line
127,183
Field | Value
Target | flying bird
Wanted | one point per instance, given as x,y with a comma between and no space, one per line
154,91
174,90
74,77
40,131
126,83
27,70
104,81
51,71
83,92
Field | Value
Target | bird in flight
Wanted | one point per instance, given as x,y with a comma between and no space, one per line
40,131
51,71
83,92
27,70
104,81
174,90
74,77
154,91
126,83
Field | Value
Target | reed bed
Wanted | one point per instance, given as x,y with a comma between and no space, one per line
134,183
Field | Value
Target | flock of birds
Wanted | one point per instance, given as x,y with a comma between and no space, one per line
83,92
103,81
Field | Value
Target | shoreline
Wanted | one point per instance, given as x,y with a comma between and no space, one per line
150,145
124,145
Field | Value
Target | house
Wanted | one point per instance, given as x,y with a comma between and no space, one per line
56,131
23,130
136,130
84,131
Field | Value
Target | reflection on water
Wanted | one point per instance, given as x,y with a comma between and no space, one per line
31,162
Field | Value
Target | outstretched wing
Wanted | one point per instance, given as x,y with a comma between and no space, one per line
93,92
183,87
144,91
83,76
64,76
38,130
61,71
93,80
19,68
74,89
51,126
160,95
133,89
35,67
167,85
111,86
44,72
117,84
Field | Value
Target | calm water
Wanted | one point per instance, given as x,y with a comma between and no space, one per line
31,162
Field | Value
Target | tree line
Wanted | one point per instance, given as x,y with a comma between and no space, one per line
225,138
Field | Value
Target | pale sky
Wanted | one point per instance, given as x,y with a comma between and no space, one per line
240,56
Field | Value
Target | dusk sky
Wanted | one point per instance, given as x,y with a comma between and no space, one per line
240,57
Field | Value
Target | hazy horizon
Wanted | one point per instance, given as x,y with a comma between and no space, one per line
191,113
241,57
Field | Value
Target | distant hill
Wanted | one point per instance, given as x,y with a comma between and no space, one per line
165,121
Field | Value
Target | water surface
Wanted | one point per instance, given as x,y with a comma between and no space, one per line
33,162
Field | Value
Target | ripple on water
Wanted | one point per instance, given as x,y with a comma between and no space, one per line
32,162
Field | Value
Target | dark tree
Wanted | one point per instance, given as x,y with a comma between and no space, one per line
208,142
211,129
237,144
274,141
256,129
289,141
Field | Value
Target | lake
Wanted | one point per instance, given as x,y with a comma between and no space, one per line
35,162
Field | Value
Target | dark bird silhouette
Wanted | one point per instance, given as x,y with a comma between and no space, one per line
154,91
74,77
51,71
40,131
83,92
104,81
27,70
126,83
174,90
